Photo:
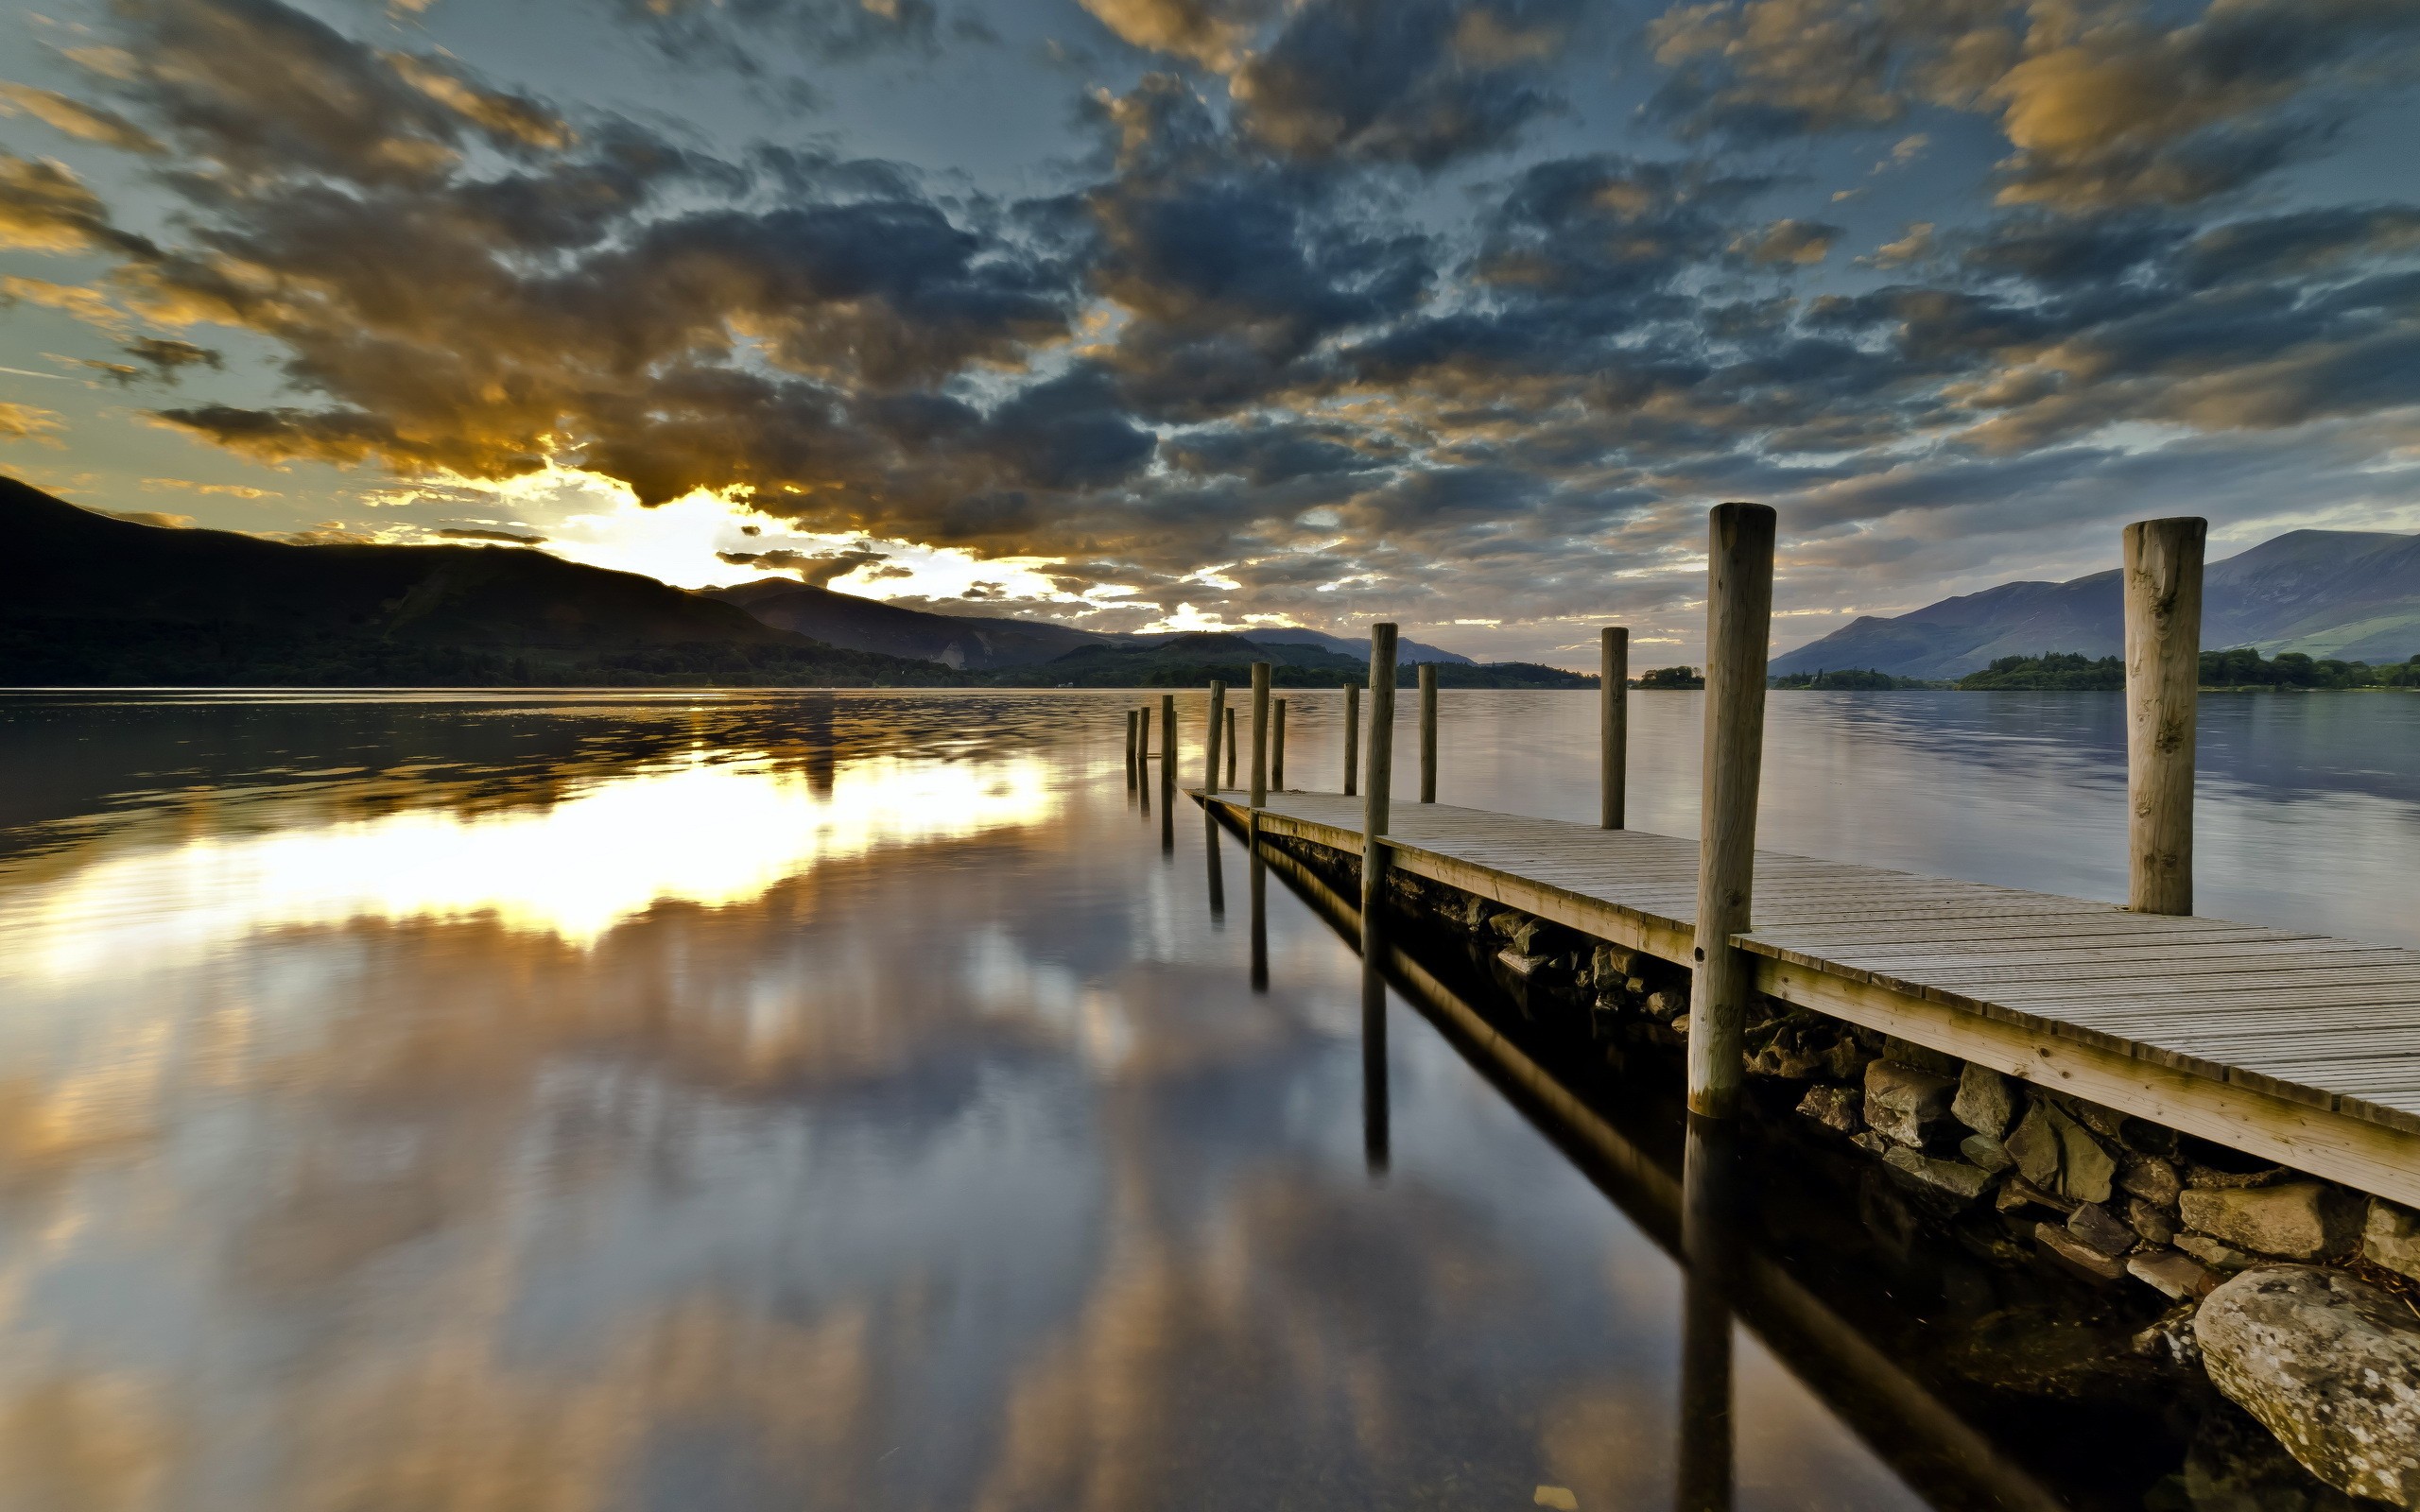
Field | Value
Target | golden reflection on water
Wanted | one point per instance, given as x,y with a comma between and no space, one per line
712,833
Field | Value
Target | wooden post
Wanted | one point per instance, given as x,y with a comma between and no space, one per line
1210,739
1143,733
1352,738
1738,614
1129,747
1379,784
1613,728
1231,747
1260,735
1277,748
1428,732
1167,738
2163,673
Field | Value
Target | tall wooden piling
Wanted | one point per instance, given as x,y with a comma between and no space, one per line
2163,559
1231,747
1428,732
1129,747
1259,734
1352,738
1210,736
1143,733
1277,746
1379,784
1738,611
1167,739
1613,728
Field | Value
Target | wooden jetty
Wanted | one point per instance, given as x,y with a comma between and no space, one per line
2292,1047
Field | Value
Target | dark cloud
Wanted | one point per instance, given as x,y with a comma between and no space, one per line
815,568
504,536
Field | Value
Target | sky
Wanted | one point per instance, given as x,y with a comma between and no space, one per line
1140,314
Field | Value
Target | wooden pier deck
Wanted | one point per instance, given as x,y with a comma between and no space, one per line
2295,1048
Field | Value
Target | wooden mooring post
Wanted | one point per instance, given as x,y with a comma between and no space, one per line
1739,613
1210,735
1428,732
1277,748
1143,733
1129,748
1379,784
2163,563
1167,739
1613,728
1231,747
1352,739
1259,776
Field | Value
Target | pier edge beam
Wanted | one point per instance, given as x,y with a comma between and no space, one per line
1210,738
1739,598
1378,785
1352,739
2162,576
1613,728
1428,732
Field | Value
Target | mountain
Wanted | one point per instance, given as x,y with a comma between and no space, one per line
857,624
1189,659
96,599
977,644
2353,595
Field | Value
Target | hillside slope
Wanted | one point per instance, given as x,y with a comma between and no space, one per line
2349,594
870,625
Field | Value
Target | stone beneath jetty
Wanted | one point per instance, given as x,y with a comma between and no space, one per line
2058,1155
2392,1238
2096,1226
1954,1179
2329,1364
2151,1179
1986,1101
2155,1224
1987,1152
1835,1107
2214,1254
2056,1241
2298,1220
1902,1102
2172,1272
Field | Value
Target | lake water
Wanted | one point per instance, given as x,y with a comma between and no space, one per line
753,1101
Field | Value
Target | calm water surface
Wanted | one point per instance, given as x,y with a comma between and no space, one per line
452,1101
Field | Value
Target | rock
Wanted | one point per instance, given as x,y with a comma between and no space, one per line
2020,1193
1835,1107
1871,1142
2300,1220
1634,984
2106,1122
1848,1060
1909,1053
1524,966
2067,1247
2170,1339
1986,1101
2217,1178
2172,1272
2151,1179
2056,1154
2156,1225
1955,1178
1901,1100
2093,1224
2233,1465
2392,1238
1681,1025
2212,1253
2329,1364
1987,1152
1664,1003
1539,937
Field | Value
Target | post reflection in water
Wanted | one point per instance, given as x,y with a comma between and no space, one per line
1210,860
1709,1246
1375,1133
1259,887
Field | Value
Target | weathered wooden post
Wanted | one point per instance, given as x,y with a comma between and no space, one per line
1259,739
2163,674
1143,733
1210,738
1428,732
1231,747
1379,784
1277,748
1352,738
1738,613
1167,739
1129,748
1613,728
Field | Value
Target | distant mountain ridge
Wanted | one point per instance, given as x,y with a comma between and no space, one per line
2353,595
973,643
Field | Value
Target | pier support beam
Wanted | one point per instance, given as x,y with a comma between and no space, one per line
1378,786
1738,613
1428,732
1613,728
1352,738
2163,574
1210,736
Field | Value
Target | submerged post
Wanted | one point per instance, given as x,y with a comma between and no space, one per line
1260,735
1352,738
1380,784
1613,728
1738,613
1210,740
2163,674
1277,748
1428,732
